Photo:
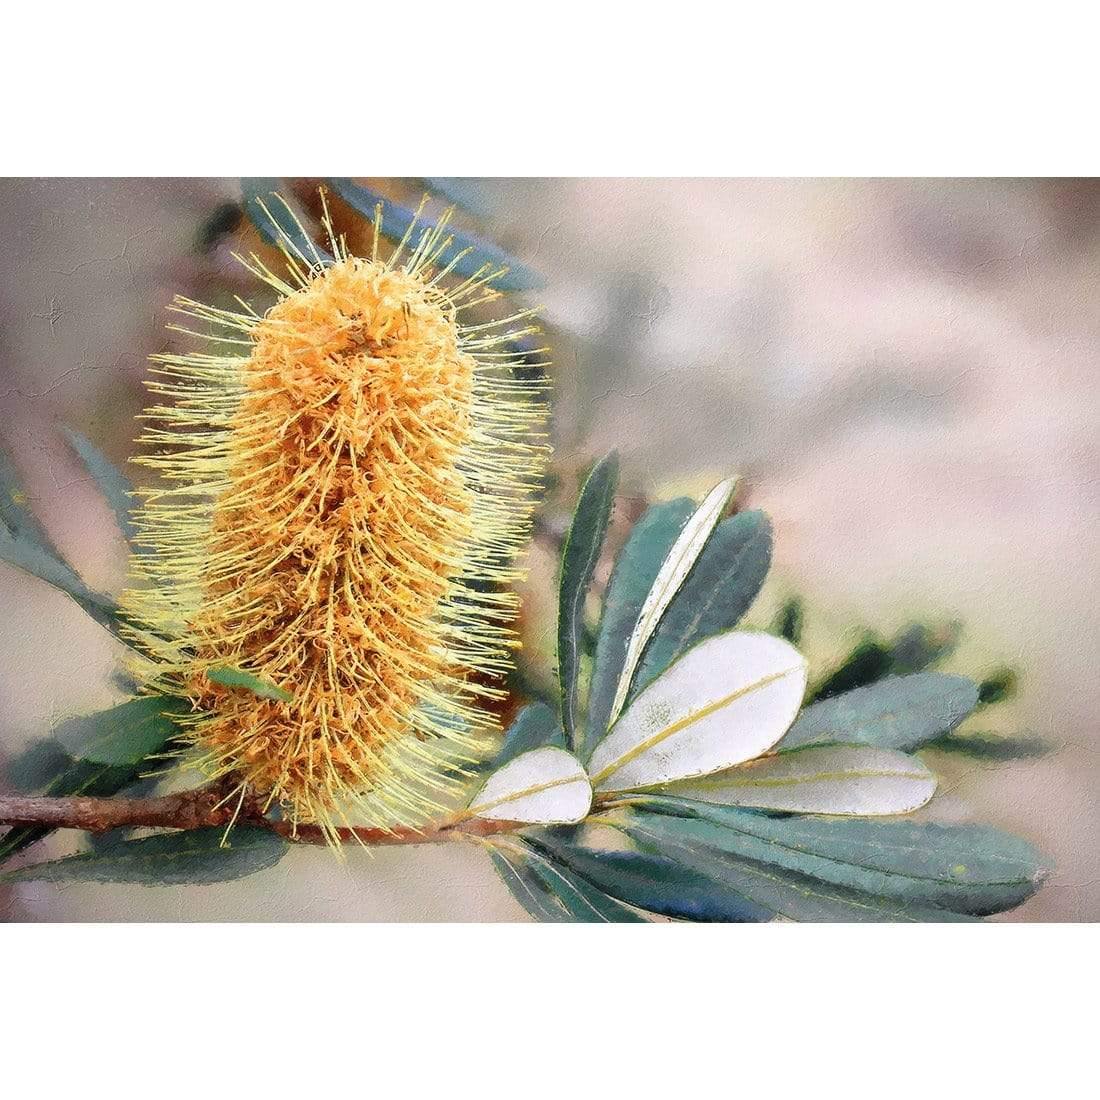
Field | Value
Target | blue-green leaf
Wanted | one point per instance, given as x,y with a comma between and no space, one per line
551,892
230,677
655,883
785,893
276,220
635,570
721,587
112,484
535,726
396,219
966,868
580,553
901,712
126,734
167,859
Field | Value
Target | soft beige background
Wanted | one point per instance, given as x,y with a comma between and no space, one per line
904,371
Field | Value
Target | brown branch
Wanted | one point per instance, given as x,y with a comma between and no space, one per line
207,806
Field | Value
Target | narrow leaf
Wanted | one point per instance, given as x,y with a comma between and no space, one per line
125,734
965,868
580,554
167,859
549,891
230,677
635,570
535,726
545,786
993,746
786,893
277,221
826,779
112,484
901,712
396,219
656,884
717,593
687,548
728,700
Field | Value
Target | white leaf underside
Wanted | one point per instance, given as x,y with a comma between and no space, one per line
544,786
828,779
727,700
672,575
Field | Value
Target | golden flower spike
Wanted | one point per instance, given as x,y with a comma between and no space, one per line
346,484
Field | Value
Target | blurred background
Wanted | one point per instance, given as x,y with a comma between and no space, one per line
902,371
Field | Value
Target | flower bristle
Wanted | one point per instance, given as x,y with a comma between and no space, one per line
346,484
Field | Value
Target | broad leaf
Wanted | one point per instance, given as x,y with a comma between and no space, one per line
580,554
545,786
230,677
824,779
535,726
125,734
551,892
672,574
902,712
656,884
631,580
167,859
729,700
717,593
785,893
966,868
110,480
277,221
396,220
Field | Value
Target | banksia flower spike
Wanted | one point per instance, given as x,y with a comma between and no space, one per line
346,484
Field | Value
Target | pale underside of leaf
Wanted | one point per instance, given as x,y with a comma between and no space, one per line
545,786
828,779
674,571
728,700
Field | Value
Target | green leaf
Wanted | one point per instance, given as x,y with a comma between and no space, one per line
48,766
25,544
535,726
670,577
901,712
112,484
396,219
726,701
719,590
789,621
655,883
992,746
551,892
868,662
230,677
167,859
965,868
919,646
635,571
125,734
997,687
784,893
848,780
580,554
277,221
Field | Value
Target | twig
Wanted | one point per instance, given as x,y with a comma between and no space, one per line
207,806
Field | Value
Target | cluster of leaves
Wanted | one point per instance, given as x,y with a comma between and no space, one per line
731,849
667,665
